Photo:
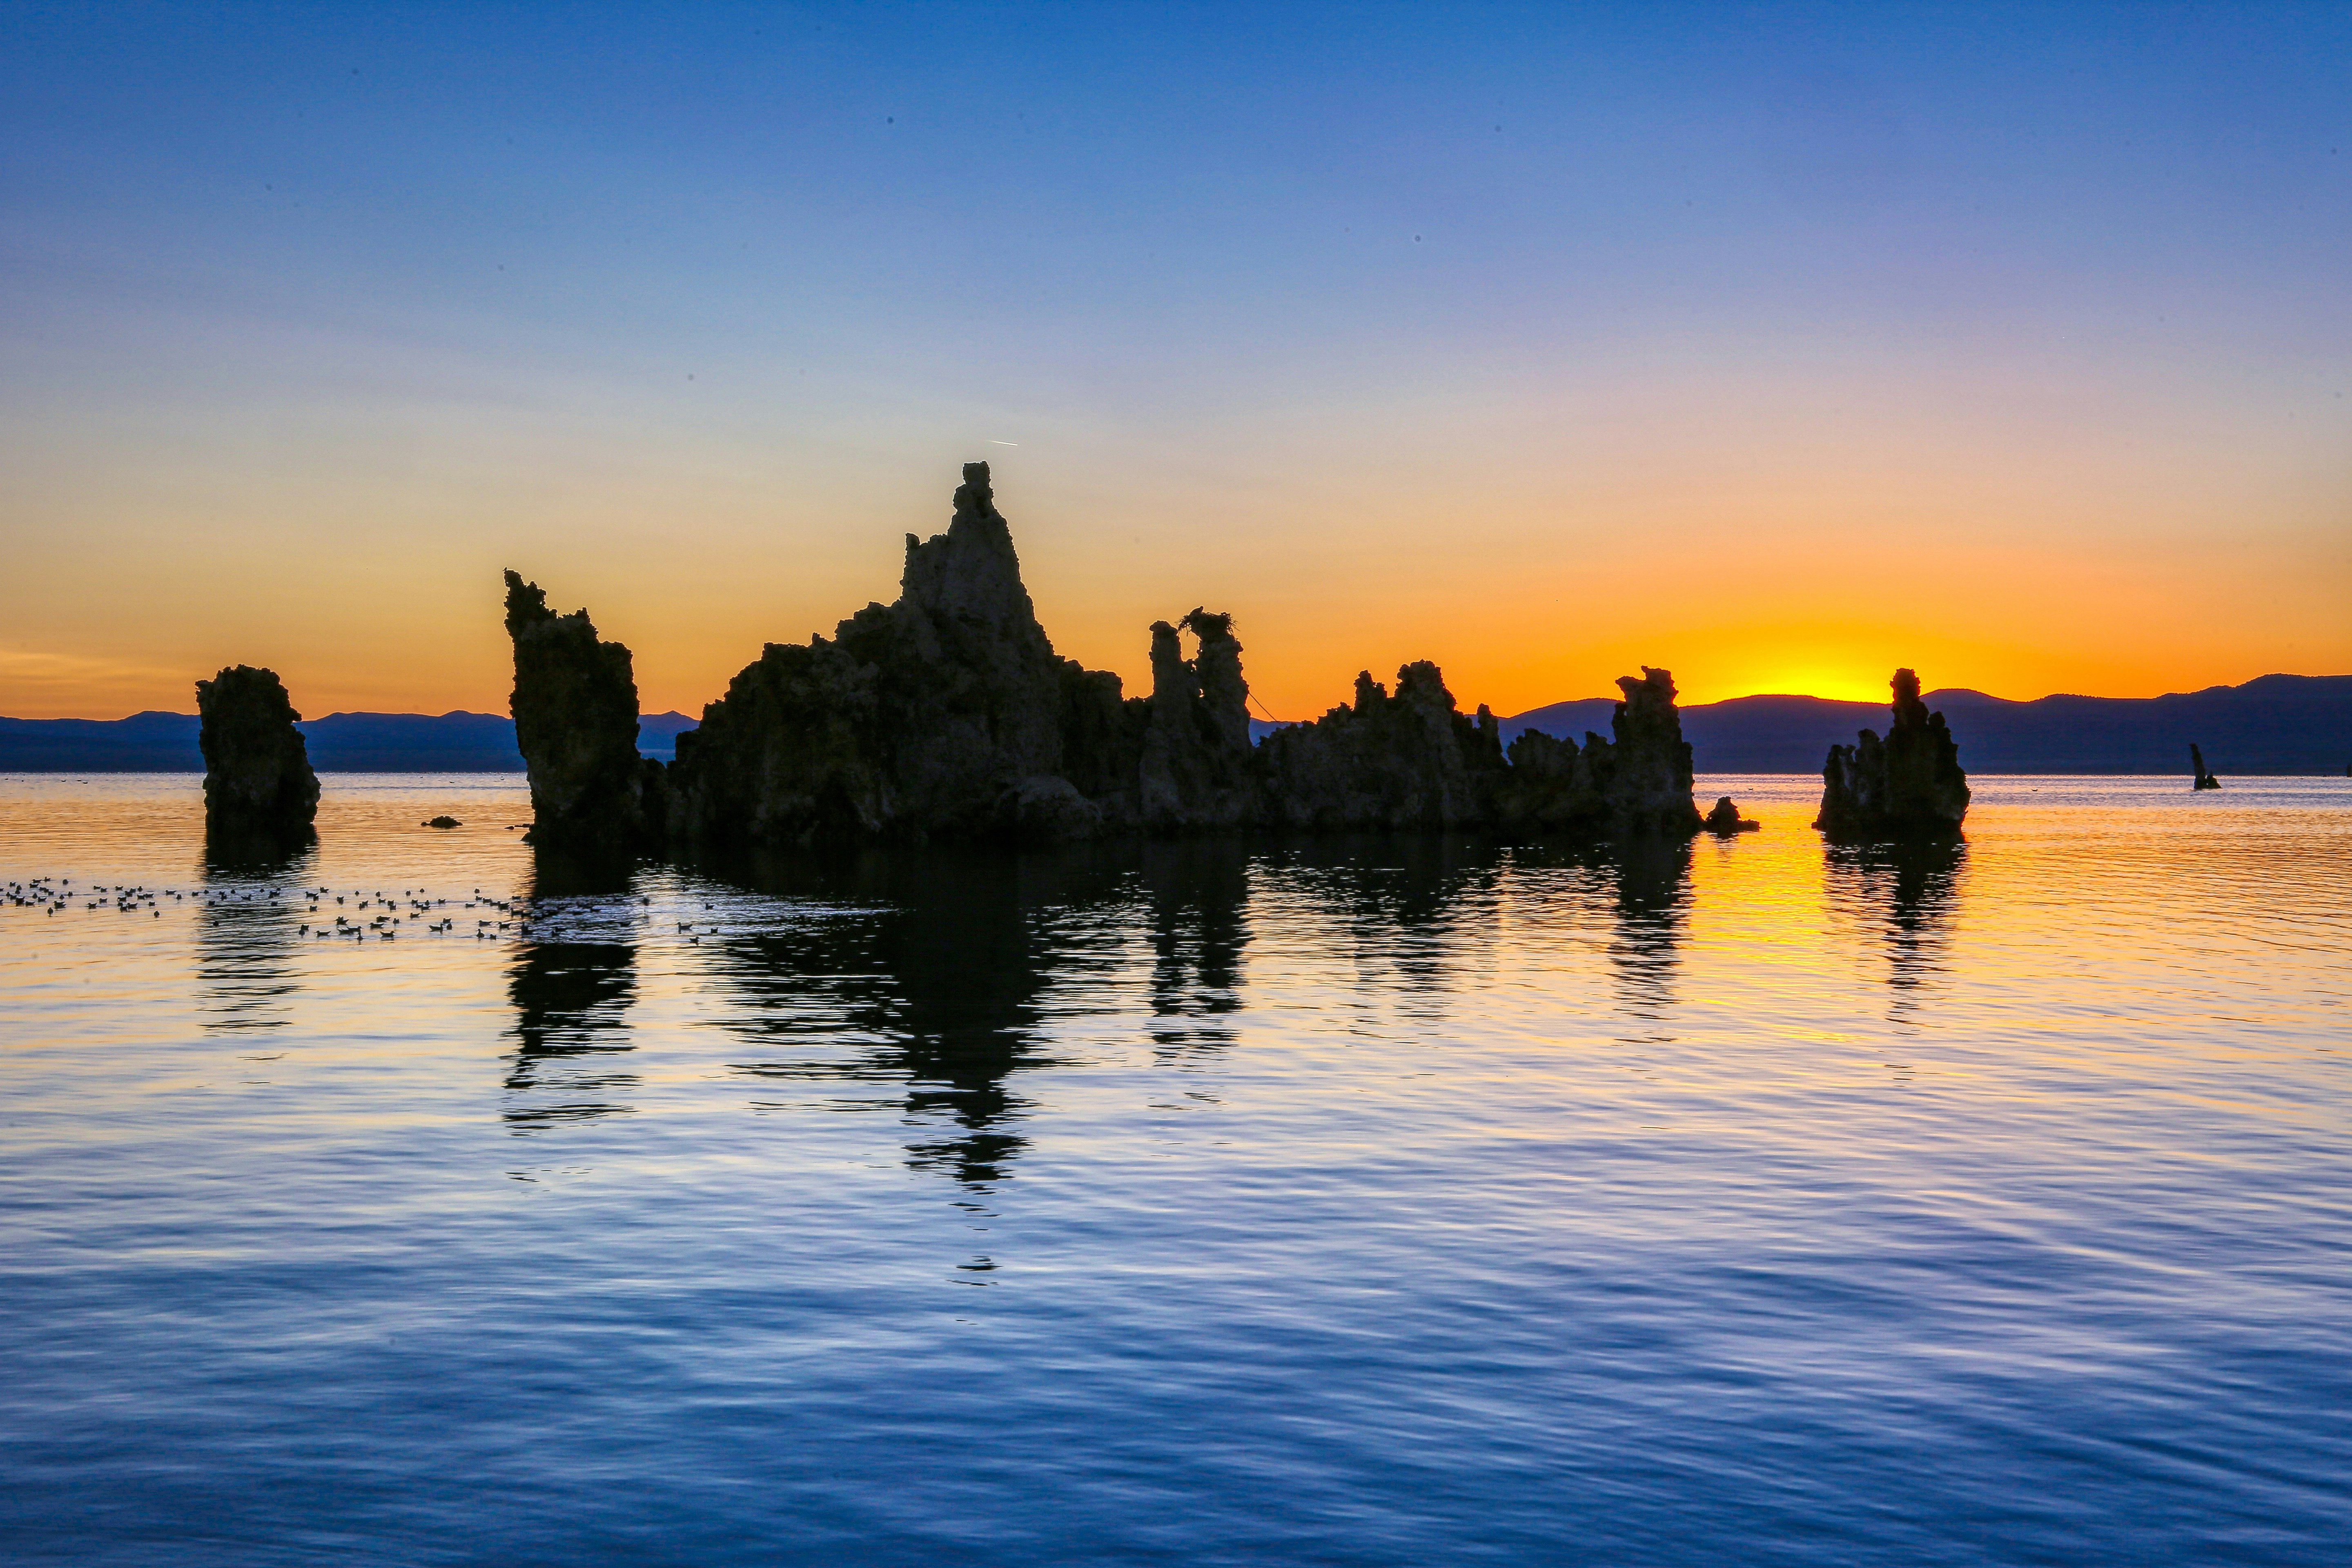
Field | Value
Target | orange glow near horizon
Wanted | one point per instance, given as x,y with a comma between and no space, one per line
1766,558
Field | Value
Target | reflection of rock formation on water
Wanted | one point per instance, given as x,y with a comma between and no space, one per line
258,785
1199,901
575,713
946,714
1911,888
1652,909
1907,786
939,960
571,1001
1409,914
246,942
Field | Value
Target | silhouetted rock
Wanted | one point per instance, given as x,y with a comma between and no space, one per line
1408,761
1909,784
946,713
258,776
575,713
1194,769
1726,818
1637,784
441,822
2197,761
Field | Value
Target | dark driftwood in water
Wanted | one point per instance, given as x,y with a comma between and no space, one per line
1907,786
2205,779
258,776
948,714
575,713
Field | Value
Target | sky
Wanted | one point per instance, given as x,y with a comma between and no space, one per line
1774,345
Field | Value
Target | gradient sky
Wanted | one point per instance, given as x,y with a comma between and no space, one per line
1776,346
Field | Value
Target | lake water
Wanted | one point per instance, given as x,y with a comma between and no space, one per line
1410,1202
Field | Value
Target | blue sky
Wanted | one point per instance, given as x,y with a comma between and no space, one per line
1408,331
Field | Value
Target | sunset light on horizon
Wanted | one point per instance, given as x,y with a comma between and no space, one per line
1773,348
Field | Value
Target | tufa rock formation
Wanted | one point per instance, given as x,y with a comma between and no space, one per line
575,713
1403,762
258,776
2206,780
1725,820
946,714
1194,769
1907,786
1639,784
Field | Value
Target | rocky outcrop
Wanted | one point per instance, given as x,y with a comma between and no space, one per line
946,713
1725,819
1195,767
2204,779
258,776
1637,784
575,713
1909,785
1407,761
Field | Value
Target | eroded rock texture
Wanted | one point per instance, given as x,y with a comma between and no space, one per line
946,713
1412,760
258,774
1638,783
1907,786
575,713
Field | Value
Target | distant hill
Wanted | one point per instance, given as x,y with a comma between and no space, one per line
156,742
2277,724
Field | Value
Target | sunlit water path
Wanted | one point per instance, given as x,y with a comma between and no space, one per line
1412,1201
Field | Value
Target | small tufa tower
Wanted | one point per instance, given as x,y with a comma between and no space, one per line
575,713
258,776
1907,786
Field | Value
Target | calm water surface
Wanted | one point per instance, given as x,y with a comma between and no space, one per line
1382,1201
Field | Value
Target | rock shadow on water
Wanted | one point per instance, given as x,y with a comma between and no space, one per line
572,996
931,970
247,930
1911,890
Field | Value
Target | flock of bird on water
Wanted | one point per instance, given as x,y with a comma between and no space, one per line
409,907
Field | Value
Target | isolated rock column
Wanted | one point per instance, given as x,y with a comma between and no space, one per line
575,713
258,774
1909,786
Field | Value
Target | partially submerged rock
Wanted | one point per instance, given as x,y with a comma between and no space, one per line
1724,818
1907,786
1637,784
575,713
2206,780
946,713
441,822
258,776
